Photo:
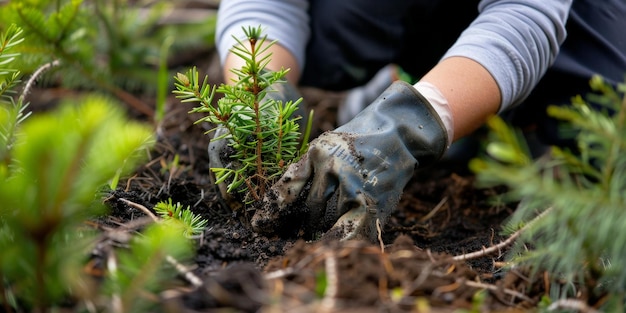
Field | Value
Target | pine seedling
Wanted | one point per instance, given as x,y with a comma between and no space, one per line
579,196
262,131
191,223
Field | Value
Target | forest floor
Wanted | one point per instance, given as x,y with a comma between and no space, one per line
418,265
421,262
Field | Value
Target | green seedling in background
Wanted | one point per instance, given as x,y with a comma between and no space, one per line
13,112
59,169
106,46
190,223
576,201
53,166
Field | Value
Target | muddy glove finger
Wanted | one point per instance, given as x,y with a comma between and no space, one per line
337,171
352,178
278,213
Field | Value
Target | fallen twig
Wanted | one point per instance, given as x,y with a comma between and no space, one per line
184,271
36,74
298,266
571,304
330,293
434,210
503,244
141,207
380,237
496,288
116,298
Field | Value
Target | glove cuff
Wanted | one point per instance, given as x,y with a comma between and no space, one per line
440,104
402,112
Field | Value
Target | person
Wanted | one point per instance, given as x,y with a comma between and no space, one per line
473,59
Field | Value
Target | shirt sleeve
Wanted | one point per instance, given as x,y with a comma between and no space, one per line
516,41
286,21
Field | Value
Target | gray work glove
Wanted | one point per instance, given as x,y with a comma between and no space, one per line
353,177
219,149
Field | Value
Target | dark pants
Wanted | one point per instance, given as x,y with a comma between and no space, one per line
352,40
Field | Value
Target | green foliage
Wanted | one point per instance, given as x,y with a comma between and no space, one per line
53,165
61,160
12,112
581,239
174,213
260,129
321,283
112,46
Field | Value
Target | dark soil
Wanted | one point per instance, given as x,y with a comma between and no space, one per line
442,214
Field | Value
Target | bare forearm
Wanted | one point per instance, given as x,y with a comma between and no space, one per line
472,93
281,58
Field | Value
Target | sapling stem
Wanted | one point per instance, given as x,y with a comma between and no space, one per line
257,112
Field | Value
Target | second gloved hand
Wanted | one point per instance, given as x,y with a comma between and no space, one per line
353,177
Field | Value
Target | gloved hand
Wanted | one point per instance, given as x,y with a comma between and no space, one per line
219,149
354,176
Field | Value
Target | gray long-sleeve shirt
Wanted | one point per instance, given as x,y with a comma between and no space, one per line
516,41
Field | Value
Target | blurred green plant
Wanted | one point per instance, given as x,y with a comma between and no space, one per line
145,268
262,131
52,167
12,112
478,303
118,47
579,237
59,166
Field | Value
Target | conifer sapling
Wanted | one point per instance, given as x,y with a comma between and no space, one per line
262,131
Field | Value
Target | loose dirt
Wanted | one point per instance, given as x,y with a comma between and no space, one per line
411,268
442,214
